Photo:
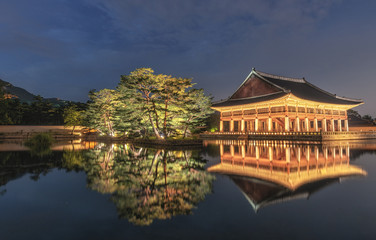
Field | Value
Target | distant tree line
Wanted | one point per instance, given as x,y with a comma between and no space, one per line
39,112
365,117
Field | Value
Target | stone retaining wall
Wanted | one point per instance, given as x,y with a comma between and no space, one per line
293,136
168,142
25,132
334,136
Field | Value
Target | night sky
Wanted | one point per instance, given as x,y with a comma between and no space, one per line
64,48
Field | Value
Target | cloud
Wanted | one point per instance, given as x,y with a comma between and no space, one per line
189,23
74,46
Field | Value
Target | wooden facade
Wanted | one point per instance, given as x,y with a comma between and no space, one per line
270,103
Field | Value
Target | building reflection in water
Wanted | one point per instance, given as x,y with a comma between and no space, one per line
268,172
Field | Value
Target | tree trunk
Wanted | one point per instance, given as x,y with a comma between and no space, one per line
185,132
156,114
154,129
156,155
165,120
186,128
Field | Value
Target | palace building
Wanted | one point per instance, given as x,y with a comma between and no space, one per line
271,103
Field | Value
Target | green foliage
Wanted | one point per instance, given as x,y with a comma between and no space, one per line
212,122
39,112
10,111
2,84
15,164
73,160
367,117
73,116
147,184
146,104
40,144
101,111
197,110
353,113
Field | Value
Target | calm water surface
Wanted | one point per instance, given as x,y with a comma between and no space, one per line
225,190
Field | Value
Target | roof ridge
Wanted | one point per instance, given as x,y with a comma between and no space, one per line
220,101
263,78
334,95
268,94
300,80
349,99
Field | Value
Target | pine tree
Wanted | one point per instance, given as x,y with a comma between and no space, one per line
144,103
100,114
197,110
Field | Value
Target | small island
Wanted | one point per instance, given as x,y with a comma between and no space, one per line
144,107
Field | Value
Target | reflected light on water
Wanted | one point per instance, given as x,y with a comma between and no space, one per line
270,171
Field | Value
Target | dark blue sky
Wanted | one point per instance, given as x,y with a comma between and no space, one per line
64,48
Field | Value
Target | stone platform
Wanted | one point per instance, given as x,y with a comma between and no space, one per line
292,136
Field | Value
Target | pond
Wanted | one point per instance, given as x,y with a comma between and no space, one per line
224,190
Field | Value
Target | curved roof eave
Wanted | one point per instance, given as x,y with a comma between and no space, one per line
250,100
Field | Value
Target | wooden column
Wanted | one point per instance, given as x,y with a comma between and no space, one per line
297,123
346,122
316,125
340,125
332,125
242,125
324,125
231,125
221,125
347,125
256,125
270,124
306,123
287,124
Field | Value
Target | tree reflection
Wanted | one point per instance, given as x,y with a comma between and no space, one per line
14,165
159,184
145,183
99,168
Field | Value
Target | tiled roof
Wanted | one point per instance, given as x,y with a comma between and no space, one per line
297,86
242,101
305,90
